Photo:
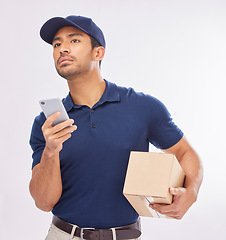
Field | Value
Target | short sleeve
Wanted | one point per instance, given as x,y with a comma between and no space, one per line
163,133
37,140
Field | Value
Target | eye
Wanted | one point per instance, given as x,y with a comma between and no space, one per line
56,45
75,40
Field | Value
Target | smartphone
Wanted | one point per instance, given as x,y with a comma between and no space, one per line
50,106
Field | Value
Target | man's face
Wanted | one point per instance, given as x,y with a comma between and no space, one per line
72,52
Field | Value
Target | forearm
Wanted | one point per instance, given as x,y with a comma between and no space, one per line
183,197
191,165
46,184
193,170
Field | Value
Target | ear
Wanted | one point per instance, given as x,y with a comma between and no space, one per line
98,53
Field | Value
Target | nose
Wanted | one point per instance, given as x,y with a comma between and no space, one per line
64,48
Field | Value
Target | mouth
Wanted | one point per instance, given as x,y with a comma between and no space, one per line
64,60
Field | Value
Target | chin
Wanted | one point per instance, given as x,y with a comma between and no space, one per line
69,73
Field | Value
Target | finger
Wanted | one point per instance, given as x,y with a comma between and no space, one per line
61,126
51,119
65,131
166,210
65,137
56,143
171,210
162,208
177,191
61,139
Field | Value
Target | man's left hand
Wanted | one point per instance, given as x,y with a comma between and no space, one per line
183,198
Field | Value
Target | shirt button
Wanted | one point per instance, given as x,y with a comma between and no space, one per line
92,111
93,125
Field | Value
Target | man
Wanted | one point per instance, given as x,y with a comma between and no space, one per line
79,170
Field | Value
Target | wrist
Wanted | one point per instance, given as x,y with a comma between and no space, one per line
48,153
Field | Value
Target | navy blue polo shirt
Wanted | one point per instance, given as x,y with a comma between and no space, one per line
94,160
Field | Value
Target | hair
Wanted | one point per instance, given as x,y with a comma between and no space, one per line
95,43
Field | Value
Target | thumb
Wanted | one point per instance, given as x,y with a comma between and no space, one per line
177,191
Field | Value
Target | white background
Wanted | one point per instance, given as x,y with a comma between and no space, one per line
172,49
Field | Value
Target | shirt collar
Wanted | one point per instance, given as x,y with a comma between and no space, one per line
111,94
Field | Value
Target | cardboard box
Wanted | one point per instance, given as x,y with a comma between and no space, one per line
148,179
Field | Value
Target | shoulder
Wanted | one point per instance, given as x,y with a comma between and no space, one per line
146,105
38,122
130,94
40,119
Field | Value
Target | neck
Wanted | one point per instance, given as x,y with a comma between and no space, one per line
87,90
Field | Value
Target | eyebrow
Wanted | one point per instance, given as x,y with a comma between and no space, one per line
69,35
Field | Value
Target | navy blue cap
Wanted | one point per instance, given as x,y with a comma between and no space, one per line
50,28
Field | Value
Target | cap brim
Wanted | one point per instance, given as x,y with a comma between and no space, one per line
50,28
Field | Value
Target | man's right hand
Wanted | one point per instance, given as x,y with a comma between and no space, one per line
46,184
57,135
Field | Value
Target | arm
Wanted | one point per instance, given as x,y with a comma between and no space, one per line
46,185
184,197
